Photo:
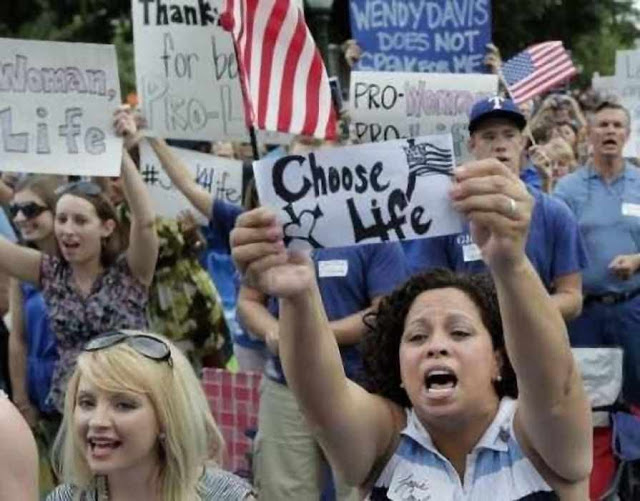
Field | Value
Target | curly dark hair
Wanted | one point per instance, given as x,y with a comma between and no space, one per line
380,346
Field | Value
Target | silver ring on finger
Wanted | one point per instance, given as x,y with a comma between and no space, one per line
512,207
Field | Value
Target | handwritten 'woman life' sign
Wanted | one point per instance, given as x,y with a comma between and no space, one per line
56,108
333,197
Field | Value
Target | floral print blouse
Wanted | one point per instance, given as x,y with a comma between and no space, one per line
117,301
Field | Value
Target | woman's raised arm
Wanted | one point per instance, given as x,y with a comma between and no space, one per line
142,254
355,428
20,262
553,415
200,198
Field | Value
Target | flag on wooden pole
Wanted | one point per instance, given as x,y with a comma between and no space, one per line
284,80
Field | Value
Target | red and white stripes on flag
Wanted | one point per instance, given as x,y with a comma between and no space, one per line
537,69
285,83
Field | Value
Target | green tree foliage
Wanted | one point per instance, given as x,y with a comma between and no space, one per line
591,29
96,21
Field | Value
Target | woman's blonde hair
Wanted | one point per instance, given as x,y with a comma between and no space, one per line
560,149
192,437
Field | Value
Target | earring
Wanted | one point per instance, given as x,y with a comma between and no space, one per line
499,378
402,385
162,436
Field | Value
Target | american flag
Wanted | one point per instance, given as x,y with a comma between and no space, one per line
536,70
284,81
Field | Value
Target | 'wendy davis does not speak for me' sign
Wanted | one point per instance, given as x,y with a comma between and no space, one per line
333,197
432,36
56,108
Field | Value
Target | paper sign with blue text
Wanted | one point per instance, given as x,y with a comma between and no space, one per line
186,71
387,105
56,108
222,177
427,36
334,197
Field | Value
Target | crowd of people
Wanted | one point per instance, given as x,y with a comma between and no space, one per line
437,368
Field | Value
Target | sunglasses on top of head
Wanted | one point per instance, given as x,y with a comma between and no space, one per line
82,187
28,209
147,346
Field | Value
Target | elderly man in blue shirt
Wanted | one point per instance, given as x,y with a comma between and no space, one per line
605,197
554,245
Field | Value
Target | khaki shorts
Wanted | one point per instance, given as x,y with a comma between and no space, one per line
288,462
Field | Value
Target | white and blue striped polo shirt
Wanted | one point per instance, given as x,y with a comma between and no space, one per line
496,470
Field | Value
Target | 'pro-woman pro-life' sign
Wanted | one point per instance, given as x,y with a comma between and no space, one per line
333,197
56,108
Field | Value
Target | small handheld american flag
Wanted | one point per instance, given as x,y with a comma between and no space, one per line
536,70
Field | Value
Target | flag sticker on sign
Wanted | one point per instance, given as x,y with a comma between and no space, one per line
332,197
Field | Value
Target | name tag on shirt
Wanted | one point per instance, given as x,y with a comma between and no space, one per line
333,268
471,252
629,209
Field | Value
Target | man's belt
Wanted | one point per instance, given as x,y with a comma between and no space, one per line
611,297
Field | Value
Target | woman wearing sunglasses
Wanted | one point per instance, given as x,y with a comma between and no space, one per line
137,426
32,344
97,283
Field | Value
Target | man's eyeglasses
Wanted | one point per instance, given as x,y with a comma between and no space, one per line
28,209
83,187
148,346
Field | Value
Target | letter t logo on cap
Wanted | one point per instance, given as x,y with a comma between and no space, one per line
497,102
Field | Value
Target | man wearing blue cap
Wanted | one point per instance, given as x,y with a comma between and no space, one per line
554,245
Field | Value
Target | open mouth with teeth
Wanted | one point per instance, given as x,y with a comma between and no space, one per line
101,446
609,142
70,245
440,382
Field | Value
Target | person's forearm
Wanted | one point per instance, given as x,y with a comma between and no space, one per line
136,193
569,304
310,357
181,177
349,330
256,318
535,335
17,347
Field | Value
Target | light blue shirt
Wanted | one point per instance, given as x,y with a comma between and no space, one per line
609,220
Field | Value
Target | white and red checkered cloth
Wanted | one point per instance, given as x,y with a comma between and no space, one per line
234,399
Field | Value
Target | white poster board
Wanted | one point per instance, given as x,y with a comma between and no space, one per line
222,177
186,71
395,190
625,85
392,105
56,108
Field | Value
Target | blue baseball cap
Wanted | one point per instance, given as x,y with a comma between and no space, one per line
495,107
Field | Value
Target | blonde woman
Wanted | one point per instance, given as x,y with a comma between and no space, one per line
137,426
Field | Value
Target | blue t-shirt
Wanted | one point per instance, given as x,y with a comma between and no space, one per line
217,261
554,245
42,352
349,278
530,176
609,220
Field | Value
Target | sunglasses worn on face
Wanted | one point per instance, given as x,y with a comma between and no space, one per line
147,346
28,209
84,187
